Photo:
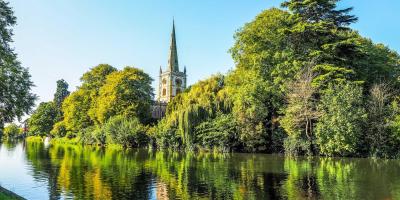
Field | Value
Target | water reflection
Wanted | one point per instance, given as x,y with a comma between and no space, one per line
77,172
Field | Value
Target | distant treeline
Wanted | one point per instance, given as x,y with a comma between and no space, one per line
305,83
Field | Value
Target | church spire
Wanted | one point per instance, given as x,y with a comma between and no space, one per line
173,64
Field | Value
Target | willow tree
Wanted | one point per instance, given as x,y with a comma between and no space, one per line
197,104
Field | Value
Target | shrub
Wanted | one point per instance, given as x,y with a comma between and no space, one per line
339,130
123,131
59,129
12,131
220,133
297,146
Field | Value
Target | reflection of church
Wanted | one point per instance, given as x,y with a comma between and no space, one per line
171,81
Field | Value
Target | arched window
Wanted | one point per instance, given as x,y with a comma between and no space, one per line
164,81
178,82
178,90
164,92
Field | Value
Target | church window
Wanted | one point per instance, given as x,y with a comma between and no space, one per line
178,82
178,90
164,92
164,81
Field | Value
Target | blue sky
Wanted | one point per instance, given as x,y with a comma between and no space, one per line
64,38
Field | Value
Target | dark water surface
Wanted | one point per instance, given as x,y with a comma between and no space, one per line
36,171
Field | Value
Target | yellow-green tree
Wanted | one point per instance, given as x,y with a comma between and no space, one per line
128,93
43,118
78,107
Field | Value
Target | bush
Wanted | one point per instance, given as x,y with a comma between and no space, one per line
297,146
99,136
220,133
59,129
339,131
126,132
12,131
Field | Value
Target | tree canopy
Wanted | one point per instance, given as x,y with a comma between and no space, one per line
305,82
16,98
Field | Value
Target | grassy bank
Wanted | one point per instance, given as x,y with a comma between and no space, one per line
73,141
8,195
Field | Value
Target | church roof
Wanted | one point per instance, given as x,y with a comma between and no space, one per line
173,64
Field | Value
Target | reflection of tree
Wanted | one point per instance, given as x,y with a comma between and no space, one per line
96,173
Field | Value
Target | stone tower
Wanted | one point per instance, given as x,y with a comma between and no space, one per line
172,81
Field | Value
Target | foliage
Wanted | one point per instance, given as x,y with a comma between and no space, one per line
187,110
340,127
59,129
302,84
61,92
127,132
380,138
12,130
16,98
42,119
218,133
75,109
79,107
300,114
127,92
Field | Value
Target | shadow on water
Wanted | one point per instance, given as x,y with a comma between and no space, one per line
84,172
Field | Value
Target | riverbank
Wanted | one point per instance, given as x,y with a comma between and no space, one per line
73,141
8,195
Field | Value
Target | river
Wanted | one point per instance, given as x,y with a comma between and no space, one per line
39,172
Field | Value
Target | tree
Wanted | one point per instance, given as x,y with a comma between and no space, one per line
96,76
315,11
42,119
380,139
75,110
264,63
128,93
220,133
195,105
340,127
15,84
61,93
128,132
300,114
12,130
79,108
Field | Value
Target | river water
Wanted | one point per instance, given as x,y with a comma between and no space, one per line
36,171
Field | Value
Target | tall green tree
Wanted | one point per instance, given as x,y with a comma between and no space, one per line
16,98
127,92
316,11
42,119
264,63
380,138
79,108
61,92
339,130
300,115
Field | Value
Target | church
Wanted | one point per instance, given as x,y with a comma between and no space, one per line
171,81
